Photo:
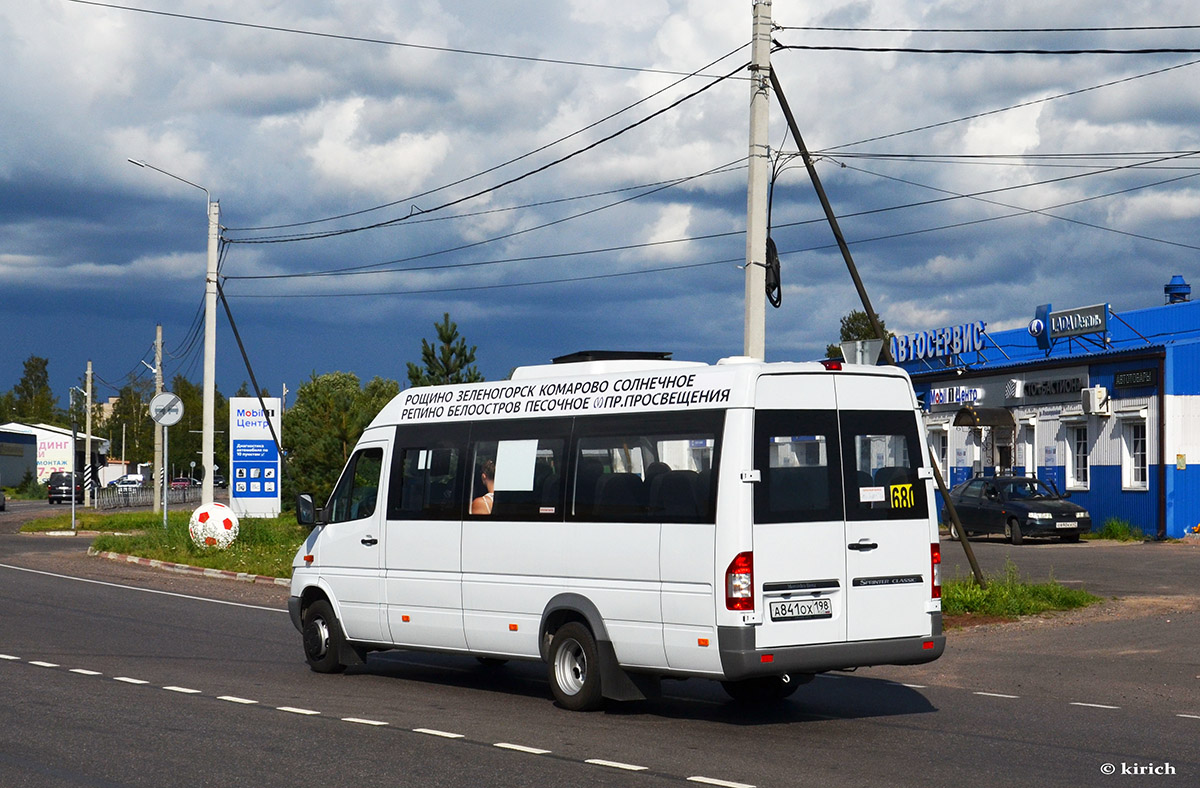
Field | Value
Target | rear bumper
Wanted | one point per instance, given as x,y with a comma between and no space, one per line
740,659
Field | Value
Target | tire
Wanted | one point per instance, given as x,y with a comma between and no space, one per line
323,638
1012,531
765,689
575,668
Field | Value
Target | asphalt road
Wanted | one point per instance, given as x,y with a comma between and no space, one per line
227,699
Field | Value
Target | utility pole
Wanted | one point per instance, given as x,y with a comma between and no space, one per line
210,351
89,470
757,180
158,428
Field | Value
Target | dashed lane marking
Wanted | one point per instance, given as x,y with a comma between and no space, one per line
41,664
443,734
1094,705
294,710
10,657
360,721
521,748
182,690
996,695
127,680
629,767
236,699
85,672
720,783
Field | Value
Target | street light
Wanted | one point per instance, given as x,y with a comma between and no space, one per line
210,333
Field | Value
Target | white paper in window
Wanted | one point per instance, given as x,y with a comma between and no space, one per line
514,465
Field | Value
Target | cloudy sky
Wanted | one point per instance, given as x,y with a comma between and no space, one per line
539,171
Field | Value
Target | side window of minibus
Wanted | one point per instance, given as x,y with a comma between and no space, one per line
425,484
357,491
516,479
646,468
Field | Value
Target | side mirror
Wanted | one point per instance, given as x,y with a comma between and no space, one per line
306,510
1067,494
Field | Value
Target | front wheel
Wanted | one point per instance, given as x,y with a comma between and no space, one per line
323,638
1012,532
765,689
575,668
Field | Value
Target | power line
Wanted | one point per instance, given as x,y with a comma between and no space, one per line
494,168
1045,211
968,51
1020,105
1122,29
441,290
372,268
490,189
380,41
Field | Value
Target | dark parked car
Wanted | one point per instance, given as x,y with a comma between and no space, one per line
3,502
1016,506
219,481
58,487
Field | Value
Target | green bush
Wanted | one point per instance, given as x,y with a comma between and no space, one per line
1119,530
1007,595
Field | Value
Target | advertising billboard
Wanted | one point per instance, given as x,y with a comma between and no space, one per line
254,470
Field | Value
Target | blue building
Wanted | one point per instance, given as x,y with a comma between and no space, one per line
1105,405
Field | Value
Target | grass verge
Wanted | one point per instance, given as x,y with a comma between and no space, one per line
1119,530
263,546
1008,597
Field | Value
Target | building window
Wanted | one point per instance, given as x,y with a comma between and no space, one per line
1134,454
939,442
1077,471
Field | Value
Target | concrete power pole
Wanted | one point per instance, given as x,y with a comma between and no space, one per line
210,352
89,470
757,180
156,482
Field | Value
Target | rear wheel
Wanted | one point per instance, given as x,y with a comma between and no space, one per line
765,689
575,668
323,638
1012,531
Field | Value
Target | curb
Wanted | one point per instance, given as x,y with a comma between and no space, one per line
185,569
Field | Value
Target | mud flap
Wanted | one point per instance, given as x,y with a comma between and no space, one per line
618,684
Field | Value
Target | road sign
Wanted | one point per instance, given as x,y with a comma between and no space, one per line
166,409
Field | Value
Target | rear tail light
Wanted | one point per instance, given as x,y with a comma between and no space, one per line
831,365
739,582
935,568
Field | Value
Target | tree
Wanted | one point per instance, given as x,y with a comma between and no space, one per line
448,362
32,398
320,429
855,325
131,410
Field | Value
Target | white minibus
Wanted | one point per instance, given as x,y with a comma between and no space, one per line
630,519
